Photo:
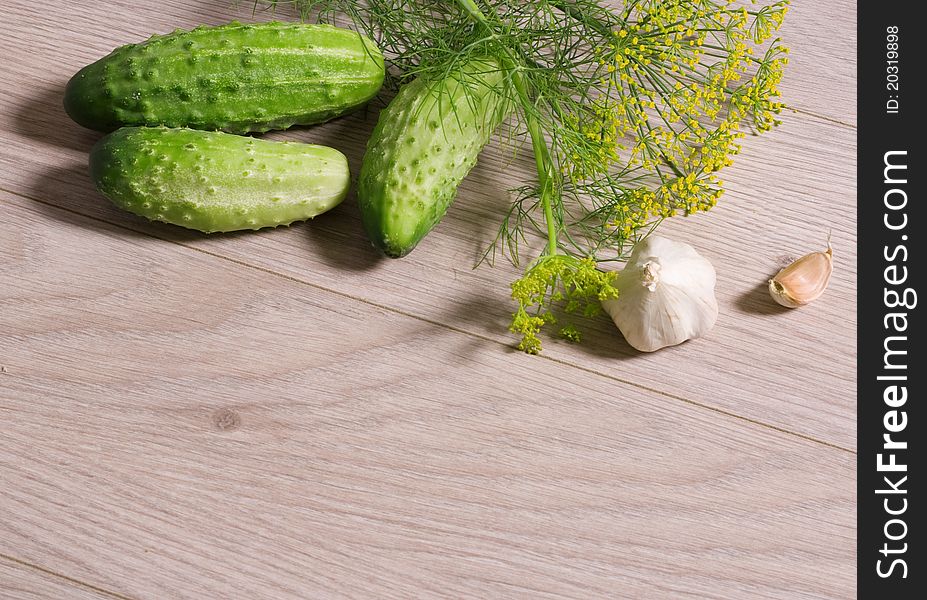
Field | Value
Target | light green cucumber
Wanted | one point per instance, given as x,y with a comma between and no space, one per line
426,142
236,78
212,181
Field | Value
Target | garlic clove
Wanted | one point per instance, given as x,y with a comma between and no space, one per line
804,280
665,295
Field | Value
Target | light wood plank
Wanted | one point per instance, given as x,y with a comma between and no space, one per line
180,427
820,79
789,189
821,75
263,437
22,582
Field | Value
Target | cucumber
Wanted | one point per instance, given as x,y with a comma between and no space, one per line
425,143
212,181
235,78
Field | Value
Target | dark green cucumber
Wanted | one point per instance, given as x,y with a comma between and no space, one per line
236,78
426,142
212,181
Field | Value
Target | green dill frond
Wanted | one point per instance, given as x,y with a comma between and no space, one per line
630,111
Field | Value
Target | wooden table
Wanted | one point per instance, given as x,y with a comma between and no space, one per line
286,415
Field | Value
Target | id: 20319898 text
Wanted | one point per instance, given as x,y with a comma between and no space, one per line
892,62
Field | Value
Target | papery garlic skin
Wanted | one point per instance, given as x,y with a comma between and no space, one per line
666,295
804,280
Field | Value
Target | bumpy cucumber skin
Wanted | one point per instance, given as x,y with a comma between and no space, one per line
213,181
235,78
426,142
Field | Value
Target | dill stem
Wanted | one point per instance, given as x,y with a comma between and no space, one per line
473,10
544,165
542,156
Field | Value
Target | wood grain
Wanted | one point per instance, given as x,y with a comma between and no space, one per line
24,582
821,75
789,189
287,415
179,427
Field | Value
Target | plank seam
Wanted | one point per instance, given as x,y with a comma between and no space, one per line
420,318
815,115
89,586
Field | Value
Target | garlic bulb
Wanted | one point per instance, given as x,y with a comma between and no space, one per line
666,295
804,280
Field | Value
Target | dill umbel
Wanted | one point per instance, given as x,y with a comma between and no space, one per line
631,109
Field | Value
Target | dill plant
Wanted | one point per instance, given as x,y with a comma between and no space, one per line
630,109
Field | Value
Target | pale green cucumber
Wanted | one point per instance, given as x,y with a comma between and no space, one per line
236,78
426,142
212,181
